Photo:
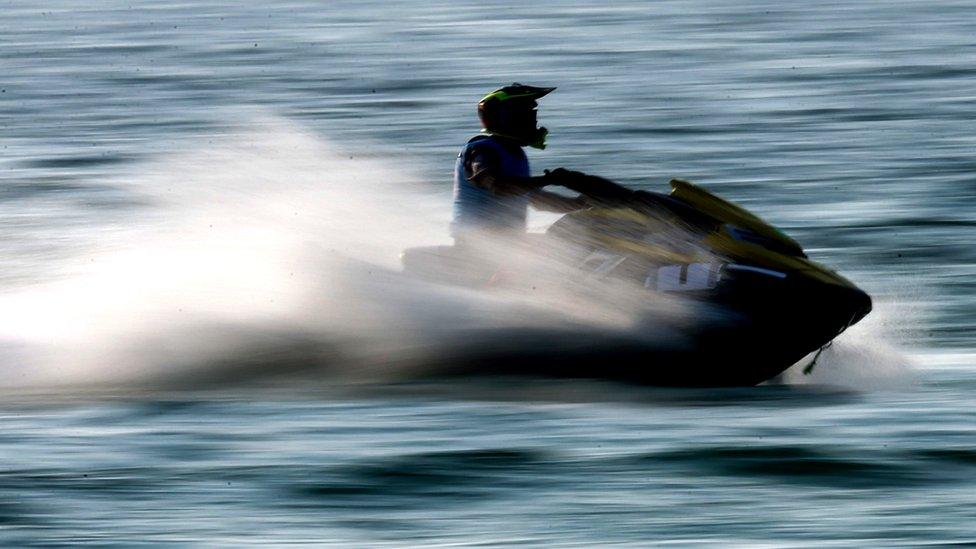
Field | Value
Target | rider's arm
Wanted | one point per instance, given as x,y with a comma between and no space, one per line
552,202
481,168
596,188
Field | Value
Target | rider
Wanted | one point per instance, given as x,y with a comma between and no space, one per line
492,183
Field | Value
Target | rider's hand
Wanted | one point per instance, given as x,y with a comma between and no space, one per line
560,176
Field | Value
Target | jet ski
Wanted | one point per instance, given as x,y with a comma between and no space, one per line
777,306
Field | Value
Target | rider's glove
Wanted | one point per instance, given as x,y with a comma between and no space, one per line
562,176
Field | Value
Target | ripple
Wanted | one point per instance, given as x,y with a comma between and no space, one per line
797,464
60,162
468,474
955,456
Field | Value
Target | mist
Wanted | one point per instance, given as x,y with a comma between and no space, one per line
272,253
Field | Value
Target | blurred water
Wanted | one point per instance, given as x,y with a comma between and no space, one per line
850,126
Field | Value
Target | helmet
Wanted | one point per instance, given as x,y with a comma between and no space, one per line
510,112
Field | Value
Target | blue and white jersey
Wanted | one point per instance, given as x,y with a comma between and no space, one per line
478,209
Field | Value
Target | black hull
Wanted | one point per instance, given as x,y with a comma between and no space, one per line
756,330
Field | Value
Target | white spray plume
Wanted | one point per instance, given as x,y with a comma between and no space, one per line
268,249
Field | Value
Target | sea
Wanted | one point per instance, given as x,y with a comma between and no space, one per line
205,340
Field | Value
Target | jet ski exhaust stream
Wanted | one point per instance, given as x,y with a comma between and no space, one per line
273,255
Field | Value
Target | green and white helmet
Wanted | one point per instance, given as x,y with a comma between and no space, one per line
510,112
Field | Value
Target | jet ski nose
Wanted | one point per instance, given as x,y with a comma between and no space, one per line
832,308
850,304
860,305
